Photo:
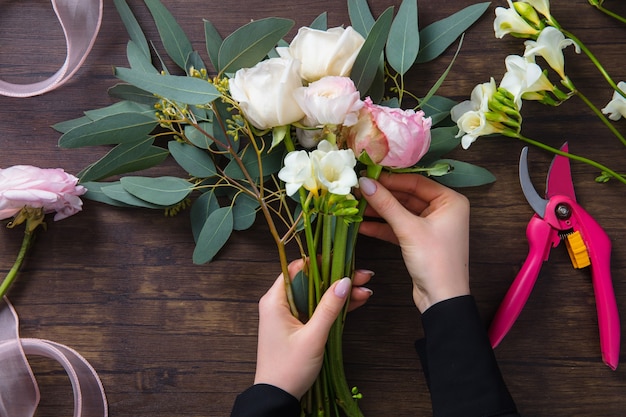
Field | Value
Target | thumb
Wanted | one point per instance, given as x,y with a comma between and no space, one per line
329,307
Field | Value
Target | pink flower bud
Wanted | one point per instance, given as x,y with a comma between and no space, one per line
391,137
54,190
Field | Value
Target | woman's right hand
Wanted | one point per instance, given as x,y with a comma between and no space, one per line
430,222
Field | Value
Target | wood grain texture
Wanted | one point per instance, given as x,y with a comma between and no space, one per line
170,338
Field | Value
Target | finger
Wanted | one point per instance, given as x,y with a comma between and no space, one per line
413,184
358,297
329,307
362,277
378,230
383,202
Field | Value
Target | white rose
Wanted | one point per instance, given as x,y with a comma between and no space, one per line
322,53
265,93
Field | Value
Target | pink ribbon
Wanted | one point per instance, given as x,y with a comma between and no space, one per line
80,20
19,393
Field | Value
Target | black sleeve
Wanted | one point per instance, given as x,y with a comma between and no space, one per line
264,400
459,363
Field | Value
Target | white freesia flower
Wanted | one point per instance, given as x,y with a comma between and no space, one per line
616,108
542,6
298,172
510,21
523,77
470,114
550,45
324,52
265,93
334,168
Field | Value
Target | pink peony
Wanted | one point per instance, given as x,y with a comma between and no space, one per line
391,137
28,186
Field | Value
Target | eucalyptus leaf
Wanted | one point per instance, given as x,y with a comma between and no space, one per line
121,155
443,76
195,161
116,192
249,44
201,209
163,191
244,212
220,115
194,60
118,108
213,42
320,22
442,141
403,42
132,26
153,156
464,174
361,17
68,125
131,93
437,106
200,138
214,235
174,39
368,58
300,290
438,36
114,129
181,89
95,193
137,60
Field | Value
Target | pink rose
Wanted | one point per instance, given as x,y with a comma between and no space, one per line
391,137
52,189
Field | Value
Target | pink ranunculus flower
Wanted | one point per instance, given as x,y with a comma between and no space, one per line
391,137
54,190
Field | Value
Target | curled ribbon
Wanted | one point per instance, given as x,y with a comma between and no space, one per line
80,20
19,393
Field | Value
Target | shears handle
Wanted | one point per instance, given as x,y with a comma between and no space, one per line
599,248
540,238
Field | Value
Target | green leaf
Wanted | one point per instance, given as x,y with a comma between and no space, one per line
195,60
195,161
320,22
121,155
66,126
114,129
437,107
213,42
177,88
214,235
464,174
249,44
95,193
404,41
436,37
442,141
361,17
366,62
244,212
443,76
300,289
116,192
137,60
132,27
201,210
131,93
174,40
120,107
197,137
163,191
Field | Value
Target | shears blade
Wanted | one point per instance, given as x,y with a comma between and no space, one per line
559,181
535,201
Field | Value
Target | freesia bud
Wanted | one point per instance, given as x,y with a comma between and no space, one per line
509,21
528,13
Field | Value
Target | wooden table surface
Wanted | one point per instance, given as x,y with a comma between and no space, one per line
170,338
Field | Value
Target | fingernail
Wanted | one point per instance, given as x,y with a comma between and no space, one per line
342,287
367,290
366,272
367,186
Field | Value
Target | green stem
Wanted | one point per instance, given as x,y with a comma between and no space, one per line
610,13
573,157
602,117
593,59
12,274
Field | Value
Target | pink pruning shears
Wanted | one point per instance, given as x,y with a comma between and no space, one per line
559,218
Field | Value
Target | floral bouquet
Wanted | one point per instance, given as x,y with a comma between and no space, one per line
282,129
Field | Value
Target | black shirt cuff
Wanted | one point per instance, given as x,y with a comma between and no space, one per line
264,400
